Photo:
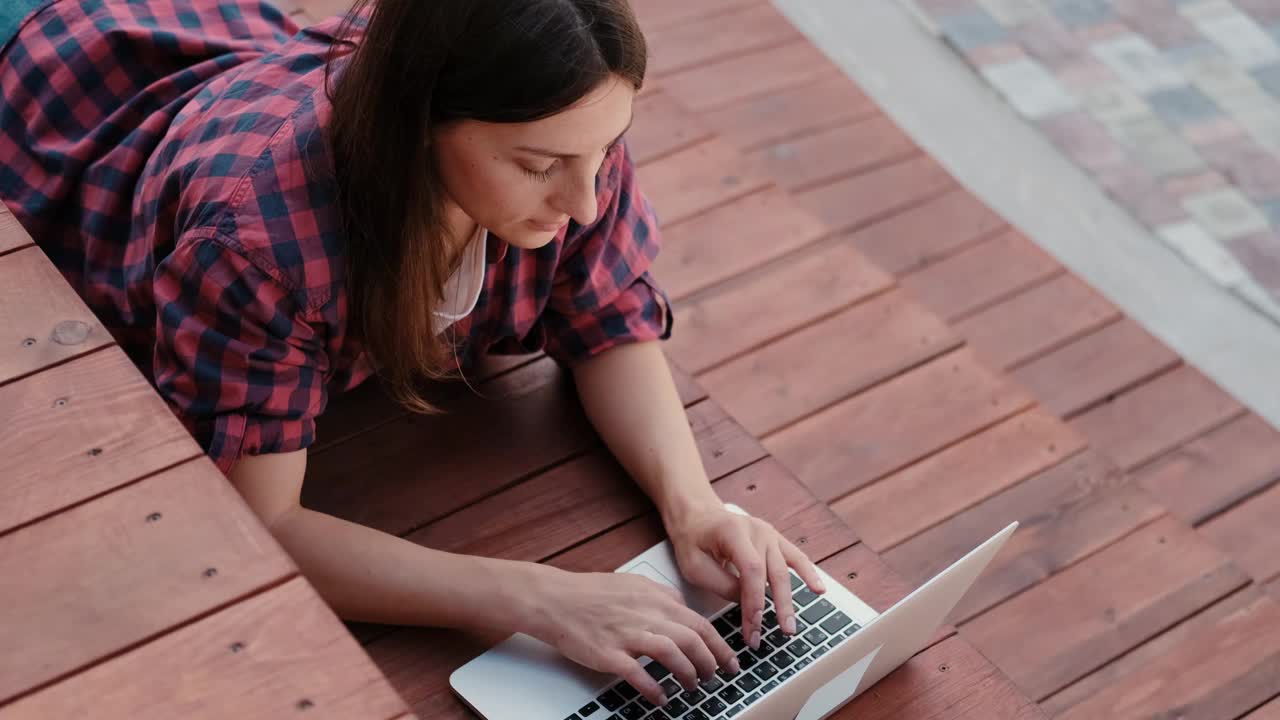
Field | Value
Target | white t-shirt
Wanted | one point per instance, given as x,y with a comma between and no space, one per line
462,289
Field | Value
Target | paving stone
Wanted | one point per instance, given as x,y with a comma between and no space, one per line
1226,213
1157,148
1247,165
1212,132
1260,253
1085,140
1236,33
1204,252
1157,21
1134,188
1011,13
971,29
1078,13
1180,186
1138,63
1183,106
1029,88
1270,208
1263,125
1263,11
1114,104
1091,34
1048,40
1081,74
994,54
1268,76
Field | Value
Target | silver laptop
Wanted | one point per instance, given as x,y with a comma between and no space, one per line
841,648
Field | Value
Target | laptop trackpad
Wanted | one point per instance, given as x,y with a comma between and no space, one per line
702,602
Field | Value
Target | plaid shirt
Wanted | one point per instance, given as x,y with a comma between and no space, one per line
168,156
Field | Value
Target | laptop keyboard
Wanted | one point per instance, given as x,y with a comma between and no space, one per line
819,627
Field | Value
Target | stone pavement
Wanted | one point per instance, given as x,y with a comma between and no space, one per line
1172,106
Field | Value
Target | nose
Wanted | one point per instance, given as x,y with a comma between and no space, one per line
577,197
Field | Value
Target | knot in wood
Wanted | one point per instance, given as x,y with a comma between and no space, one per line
71,332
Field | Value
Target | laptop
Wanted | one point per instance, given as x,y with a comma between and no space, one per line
841,647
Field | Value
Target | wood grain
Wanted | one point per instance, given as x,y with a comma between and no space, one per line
696,179
957,478
80,429
108,577
813,368
12,234
981,275
661,126
733,238
1065,514
1250,534
657,14
258,658
1156,416
1034,322
1201,478
1152,579
700,41
1270,711
870,197
759,306
42,320
718,84
1096,367
812,159
828,100
1219,663
928,232
895,424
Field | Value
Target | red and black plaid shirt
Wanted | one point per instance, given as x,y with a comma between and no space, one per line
168,156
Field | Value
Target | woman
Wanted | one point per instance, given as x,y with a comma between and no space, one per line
263,216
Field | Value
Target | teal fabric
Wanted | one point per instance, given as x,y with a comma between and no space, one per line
12,13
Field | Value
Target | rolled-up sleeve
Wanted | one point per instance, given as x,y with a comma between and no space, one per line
603,294
236,356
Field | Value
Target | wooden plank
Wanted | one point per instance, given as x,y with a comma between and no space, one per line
546,514
696,179
831,99
418,468
689,389
1066,513
323,9
1217,664
661,127
928,232
1103,606
42,320
271,655
1036,321
718,84
1250,534
981,275
949,681
731,239
12,234
1270,711
759,306
858,200
1200,479
895,424
80,429
855,147
891,511
753,27
1095,367
811,368
1156,416
657,14
130,576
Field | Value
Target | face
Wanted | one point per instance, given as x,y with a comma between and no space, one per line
524,181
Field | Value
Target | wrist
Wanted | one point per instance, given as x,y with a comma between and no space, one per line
687,508
533,600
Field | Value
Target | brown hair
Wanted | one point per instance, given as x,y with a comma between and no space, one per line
421,64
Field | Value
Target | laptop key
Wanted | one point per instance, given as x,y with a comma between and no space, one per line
786,674
696,714
713,707
625,690
747,660
674,708
766,671
631,712
645,705
818,652
777,637
817,611
795,581
671,687
733,711
815,636
587,709
710,686
852,629
782,660
837,621
835,641
802,662
731,694
694,696
748,682
610,700
736,642
751,698
656,671
802,598
734,616
573,717
768,686
798,648
769,620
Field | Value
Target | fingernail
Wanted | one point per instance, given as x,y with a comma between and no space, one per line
819,586
734,666
789,625
662,699
755,640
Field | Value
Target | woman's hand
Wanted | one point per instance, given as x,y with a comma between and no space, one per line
607,620
706,539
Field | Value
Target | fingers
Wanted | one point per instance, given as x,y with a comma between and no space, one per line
702,570
751,580
804,567
662,648
723,654
694,648
780,583
629,669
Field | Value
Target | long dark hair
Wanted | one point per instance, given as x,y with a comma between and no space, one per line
419,64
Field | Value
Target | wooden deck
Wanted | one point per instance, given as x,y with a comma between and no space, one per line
893,373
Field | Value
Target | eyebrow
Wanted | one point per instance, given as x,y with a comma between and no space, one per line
568,156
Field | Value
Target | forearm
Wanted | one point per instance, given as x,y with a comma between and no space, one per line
370,576
631,399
